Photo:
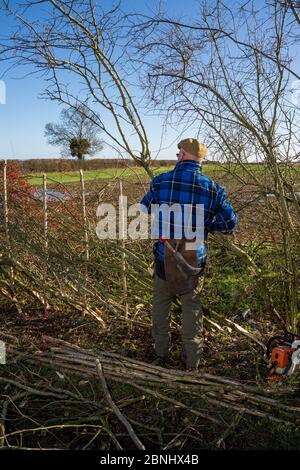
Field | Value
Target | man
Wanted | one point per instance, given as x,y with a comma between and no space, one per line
184,185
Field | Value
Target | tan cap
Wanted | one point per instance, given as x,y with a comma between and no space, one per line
193,147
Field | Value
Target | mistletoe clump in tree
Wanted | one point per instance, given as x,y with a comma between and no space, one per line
77,134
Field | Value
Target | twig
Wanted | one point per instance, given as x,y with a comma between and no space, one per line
230,428
246,333
2,423
116,410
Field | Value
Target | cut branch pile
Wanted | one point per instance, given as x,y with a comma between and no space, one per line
67,397
215,392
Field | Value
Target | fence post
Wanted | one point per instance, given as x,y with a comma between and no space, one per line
7,235
85,228
86,236
45,213
6,219
122,220
5,205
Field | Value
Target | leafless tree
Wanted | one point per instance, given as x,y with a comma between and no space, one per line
294,7
79,50
231,76
76,134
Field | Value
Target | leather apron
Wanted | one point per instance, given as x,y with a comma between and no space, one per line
177,282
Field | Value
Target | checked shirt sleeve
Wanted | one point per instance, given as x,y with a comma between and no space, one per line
225,219
149,198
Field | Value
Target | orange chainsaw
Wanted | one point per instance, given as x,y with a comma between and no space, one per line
283,354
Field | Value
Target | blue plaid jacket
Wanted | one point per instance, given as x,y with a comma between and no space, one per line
186,184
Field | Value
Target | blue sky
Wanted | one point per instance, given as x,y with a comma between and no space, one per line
23,117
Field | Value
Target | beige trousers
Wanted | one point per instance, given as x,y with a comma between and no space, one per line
192,321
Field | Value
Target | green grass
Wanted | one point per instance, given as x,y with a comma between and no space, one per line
210,169
107,174
89,175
